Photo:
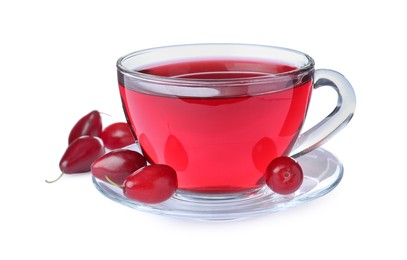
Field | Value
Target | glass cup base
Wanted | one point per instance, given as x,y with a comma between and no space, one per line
322,173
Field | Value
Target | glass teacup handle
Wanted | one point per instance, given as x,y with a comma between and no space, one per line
336,120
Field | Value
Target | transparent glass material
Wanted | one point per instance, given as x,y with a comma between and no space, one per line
322,173
336,120
187,87
129,67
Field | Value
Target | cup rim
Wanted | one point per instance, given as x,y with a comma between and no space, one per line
308,66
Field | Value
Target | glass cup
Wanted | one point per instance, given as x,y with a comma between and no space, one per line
220,113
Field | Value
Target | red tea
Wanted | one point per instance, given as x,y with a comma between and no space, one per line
218,144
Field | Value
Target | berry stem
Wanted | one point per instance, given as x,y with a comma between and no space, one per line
59,177
112,182
106,114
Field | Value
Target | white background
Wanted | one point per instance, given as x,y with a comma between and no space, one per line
57,63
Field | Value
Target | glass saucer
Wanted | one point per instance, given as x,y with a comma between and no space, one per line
322,173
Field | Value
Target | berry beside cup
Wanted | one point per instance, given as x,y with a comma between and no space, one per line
128,169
